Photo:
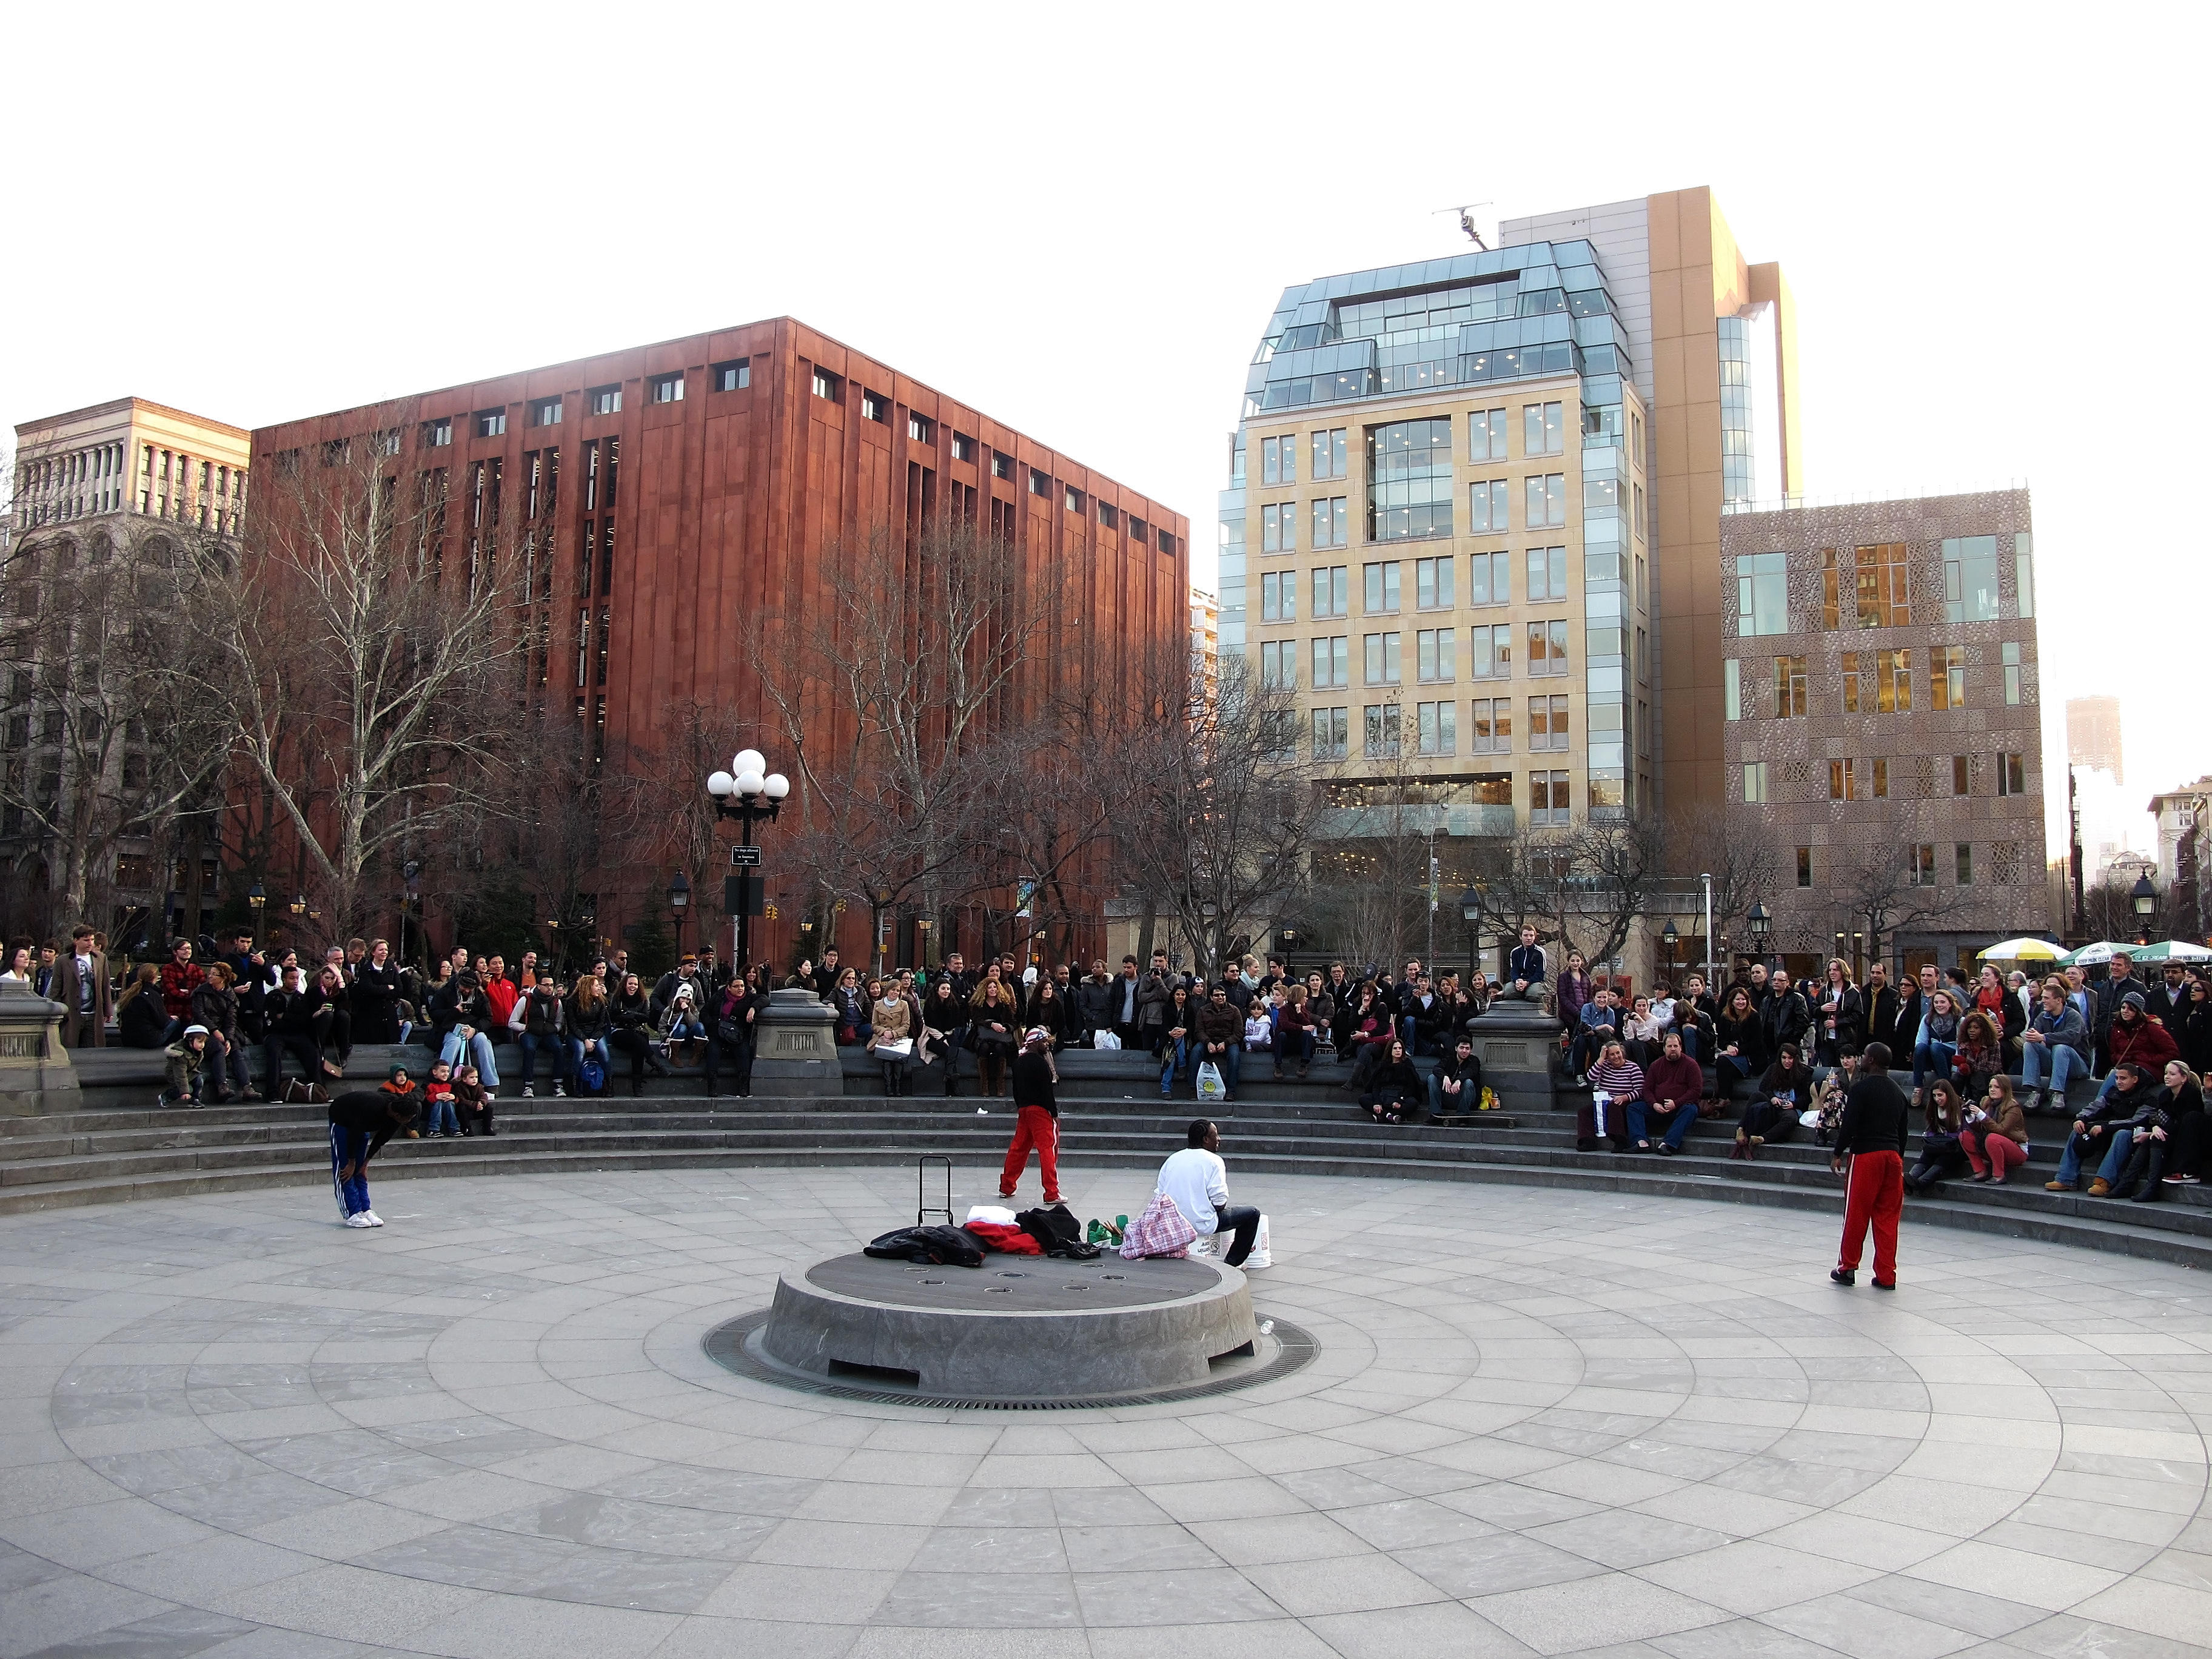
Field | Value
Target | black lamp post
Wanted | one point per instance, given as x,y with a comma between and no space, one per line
2144,896
1671,937
255,899
679,903
752,796
1761,921
1470,912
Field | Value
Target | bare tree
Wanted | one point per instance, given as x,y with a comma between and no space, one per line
902,697
1742,855
1885,881
1368,882
112,732
657,808
1221,809
372,630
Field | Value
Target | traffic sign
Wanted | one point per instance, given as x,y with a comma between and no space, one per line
745,858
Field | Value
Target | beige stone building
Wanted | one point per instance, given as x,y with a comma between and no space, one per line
1882,723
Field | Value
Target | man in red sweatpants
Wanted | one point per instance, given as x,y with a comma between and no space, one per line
1871,1136
1036,1117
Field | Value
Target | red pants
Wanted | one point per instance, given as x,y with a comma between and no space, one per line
1875,1193
1036,1126
2003,1153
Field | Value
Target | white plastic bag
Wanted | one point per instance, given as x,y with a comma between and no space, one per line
993,1213
1210,1085
1260,1256
1104,1039
901,1049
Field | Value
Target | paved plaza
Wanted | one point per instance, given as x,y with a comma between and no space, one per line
1541,1422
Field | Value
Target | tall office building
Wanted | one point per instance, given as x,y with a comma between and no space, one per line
683,489
1559,427
2092,735
1435,533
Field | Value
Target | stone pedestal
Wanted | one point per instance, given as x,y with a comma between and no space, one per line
35,1073
795,1047
1516,1043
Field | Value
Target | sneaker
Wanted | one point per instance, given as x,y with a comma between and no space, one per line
560,1091
359,1220
531,1093
372,1218
1663,1149
1843,1276
2180,1181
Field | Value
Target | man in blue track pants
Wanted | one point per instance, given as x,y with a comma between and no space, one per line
361,1120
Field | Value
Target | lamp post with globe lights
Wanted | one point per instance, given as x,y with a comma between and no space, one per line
752,795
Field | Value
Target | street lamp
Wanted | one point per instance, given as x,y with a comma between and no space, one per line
752,795
1470,912
2145,898
299,904
680,901
1670,937
255,899
1761,921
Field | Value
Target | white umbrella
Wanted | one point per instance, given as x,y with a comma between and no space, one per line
2090,955
2023,950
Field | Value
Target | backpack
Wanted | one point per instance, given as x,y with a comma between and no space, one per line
300,1092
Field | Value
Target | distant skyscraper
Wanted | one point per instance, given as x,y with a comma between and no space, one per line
2093,734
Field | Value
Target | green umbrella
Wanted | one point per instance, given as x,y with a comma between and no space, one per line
2090,955
2171,950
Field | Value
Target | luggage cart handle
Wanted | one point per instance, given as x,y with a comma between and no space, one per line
922,1208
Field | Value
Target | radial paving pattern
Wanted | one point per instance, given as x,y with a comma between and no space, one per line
1540,1421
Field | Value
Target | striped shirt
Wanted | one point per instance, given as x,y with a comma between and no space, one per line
1623,1082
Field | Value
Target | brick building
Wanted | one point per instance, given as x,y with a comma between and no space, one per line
701,481
1883,724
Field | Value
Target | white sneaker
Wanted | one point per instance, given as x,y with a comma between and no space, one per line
528,1093
373,1219
559,1092
361,1219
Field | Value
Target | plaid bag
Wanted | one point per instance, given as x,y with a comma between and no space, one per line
1161,1231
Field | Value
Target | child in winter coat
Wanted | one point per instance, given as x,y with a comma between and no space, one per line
186,1078
438,1103
472,1102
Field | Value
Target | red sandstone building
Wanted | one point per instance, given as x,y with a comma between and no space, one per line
700,480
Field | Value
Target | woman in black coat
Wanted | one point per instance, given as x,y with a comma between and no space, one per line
2192,1028
1838,1015
1739,1041
1396,1093
2191,1136
376,996
1785,1089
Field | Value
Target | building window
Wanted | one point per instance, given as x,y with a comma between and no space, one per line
1920,864
1278,734
828,386
1488,513
1548,723
1731,689
1849,663
1409,480
1485,434
2023,572
1432,584
964,447
1433,656
1329,458
1331,734
1546,501
1547,575
1962,772
874,406
1279,527
436,435
1490,653
1332,591
1109,518
1381,728
1437,724
1382,588
1332,661
1039,484
1278,665
2012,775
1547,648
1137,531
1880,780
1383,651
491,423
1278,596
665,389
919,429
1790,699
602,400
1002,464
1543,429
1279,460
1842,779
1547,799
1492,732
546,411
1490,579
1947,675
1332,525
1962,864
1754,783
1878,583
2011,653
1893,682
1762,593
1804,867
1969,578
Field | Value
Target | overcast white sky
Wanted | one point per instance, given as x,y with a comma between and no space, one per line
1079,218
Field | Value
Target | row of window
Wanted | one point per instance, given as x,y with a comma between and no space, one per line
1436,656
1490,582
1857,778
1872,682
1920,864
1872,586
1414,506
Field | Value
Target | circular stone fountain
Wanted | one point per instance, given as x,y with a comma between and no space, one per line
1020,1330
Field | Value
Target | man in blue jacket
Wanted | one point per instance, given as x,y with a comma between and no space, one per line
2055,1045
1524,968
